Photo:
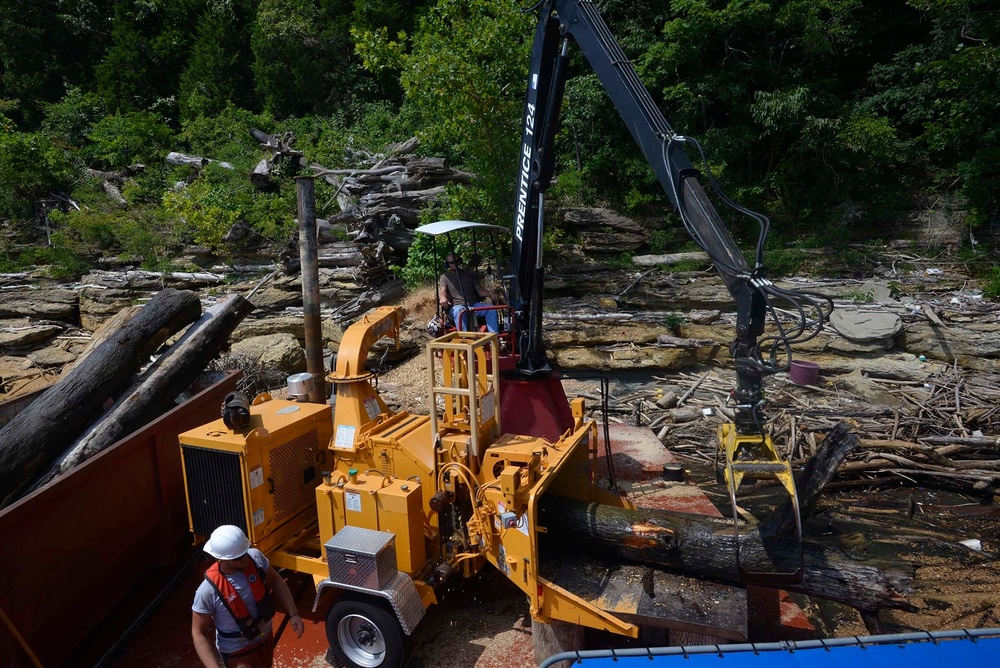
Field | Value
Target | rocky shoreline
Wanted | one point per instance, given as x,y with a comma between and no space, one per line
903,329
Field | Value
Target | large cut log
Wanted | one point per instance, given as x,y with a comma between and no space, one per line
708,547
156,390
107,329
36,436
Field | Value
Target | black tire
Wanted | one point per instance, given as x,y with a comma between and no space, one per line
364,633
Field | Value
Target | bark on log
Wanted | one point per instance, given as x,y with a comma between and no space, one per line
111,190
706,546
37,435
103,333
152,394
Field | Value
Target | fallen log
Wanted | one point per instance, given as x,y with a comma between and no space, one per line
156,390
103,333
180,159
279,147
698,257
36,436
708,547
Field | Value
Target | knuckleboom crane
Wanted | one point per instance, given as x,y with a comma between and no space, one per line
744,444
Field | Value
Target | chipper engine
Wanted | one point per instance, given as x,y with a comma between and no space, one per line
385,507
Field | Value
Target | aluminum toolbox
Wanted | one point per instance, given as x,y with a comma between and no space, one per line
362,557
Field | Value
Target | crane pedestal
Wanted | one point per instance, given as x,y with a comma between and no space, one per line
535,407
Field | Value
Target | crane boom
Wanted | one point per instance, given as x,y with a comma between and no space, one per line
560,23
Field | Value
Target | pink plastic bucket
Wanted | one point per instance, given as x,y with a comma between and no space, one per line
804,373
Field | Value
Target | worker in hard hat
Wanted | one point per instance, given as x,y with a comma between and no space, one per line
237,600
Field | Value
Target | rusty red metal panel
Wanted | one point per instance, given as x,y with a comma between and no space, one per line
535,408
73,549
11,407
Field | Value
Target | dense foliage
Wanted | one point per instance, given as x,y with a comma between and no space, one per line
836,117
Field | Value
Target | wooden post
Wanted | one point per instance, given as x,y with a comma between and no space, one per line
308,257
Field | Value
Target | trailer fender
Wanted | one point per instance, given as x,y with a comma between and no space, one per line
400,592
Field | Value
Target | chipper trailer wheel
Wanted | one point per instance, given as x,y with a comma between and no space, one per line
363,633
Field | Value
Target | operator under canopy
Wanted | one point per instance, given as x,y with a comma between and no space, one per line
459,290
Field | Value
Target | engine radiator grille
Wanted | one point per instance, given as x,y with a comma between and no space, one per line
295,477
215,489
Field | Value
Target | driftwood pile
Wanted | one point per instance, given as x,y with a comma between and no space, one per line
944,432
377,197
368,222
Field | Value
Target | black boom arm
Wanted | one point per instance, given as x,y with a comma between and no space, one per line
562,21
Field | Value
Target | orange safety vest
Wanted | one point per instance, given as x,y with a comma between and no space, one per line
249,627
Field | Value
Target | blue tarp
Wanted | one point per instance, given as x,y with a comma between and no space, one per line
924,650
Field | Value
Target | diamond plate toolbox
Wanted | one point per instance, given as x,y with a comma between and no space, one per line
362,557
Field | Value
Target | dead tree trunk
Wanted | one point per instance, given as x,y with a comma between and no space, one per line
161,383
37,435
706,546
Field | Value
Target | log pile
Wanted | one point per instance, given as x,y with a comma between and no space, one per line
69,422
944,432
379,197
367,223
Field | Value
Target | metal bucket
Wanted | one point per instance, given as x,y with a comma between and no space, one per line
803,372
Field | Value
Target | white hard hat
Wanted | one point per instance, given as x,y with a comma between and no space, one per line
227,542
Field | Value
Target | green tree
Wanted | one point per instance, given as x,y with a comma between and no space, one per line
464,81
150,44
32,166
46,44
383,18
303,57
124,139
219,72
774,90
945,90
225,135
71,118
120,140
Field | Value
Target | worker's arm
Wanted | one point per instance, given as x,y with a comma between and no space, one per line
442,293
203,634
283,595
